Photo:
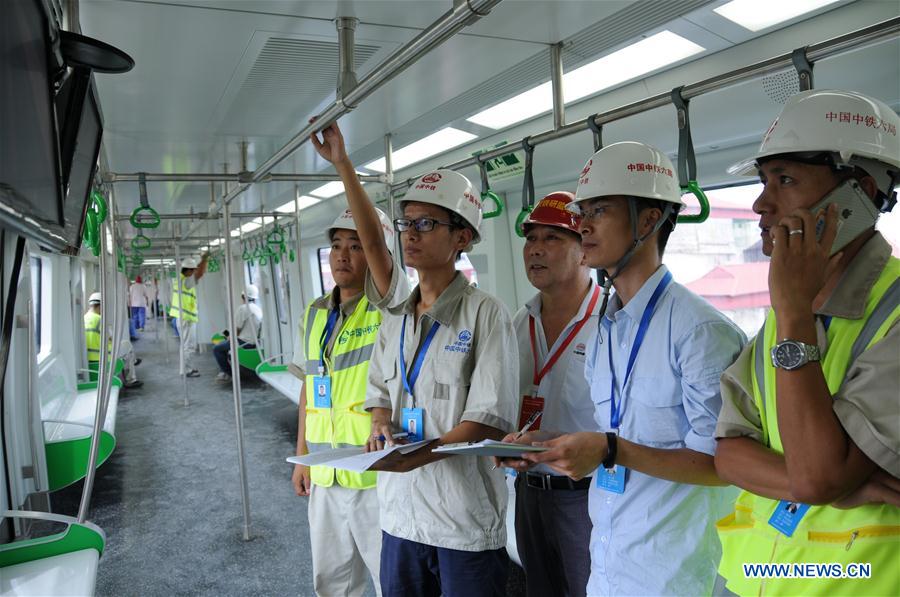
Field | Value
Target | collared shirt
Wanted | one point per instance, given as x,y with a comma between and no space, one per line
866,403
567,397
248,318
659,537
137,296
468,374
328,302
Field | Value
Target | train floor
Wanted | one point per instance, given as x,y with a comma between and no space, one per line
169,500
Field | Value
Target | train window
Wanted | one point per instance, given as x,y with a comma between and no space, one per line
462,264
40,297
326,280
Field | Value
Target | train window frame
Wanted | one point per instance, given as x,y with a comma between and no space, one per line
41,272
323,253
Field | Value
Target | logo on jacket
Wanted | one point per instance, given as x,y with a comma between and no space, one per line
579,349
463,343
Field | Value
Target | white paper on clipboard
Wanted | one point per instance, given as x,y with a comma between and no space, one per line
488,447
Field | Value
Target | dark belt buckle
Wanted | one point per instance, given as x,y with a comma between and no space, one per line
538,481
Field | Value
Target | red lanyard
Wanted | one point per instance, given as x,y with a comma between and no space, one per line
539,375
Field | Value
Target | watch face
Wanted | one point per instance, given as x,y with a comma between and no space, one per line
789,355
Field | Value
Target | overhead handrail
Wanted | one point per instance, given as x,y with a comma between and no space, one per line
144,216
141,242
488,195
597,130
804,68
687,160
527,186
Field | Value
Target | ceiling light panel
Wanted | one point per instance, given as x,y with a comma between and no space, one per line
757,15
435,143
303,202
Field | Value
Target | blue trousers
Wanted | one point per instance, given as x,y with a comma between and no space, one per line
132,328
409,568
139,317
220,352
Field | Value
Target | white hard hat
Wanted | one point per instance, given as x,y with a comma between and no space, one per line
857,129
345,222
628,168
452,191
189,263
94,298
251,292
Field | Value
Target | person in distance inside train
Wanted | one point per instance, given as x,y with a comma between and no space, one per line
653,369
184,310
553,527
810,410
137,302
248,319
337,334
443,371
93,341
150,291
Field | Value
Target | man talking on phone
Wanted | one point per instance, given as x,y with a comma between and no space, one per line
810,422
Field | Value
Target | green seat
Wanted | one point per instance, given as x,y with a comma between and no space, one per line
67,459
94,366
76,537
249,358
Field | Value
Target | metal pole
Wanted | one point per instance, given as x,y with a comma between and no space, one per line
117,177
297,240
389,173
825,49
346,28
202,216
461,15
180,323
556,82
236,377
117,312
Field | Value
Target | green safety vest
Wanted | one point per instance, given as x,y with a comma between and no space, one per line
345,424
189,306
92,336
868,534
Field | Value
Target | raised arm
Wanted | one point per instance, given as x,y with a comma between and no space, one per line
201,269
368,226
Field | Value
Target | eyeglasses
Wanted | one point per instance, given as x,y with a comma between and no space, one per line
420,224
589,213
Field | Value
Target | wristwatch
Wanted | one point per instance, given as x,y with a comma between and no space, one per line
792,354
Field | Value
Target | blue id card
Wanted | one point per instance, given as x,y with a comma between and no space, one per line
611,479
413,424
787,516
322,391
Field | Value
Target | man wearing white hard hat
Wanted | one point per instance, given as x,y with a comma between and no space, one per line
93,341
336,338
248,319
444,370
654,369
183,311
810,410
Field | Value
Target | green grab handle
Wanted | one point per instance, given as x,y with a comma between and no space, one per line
498,203
291,256
138,222
520,219
141,242
99,206
275,237
694,188
247,255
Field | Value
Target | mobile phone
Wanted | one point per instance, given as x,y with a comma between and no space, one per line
856,213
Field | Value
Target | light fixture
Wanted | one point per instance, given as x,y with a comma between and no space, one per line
756,15
647,55
303,202
424,148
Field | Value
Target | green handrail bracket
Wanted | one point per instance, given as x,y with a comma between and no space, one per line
151,220
694,188
520,219
498,204
76,537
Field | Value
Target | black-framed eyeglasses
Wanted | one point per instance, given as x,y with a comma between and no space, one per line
420,224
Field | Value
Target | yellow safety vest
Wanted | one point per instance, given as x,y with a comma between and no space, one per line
92,336
189,306
345,424
825,535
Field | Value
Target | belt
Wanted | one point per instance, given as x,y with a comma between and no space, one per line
546,481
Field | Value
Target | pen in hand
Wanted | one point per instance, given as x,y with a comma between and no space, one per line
531,420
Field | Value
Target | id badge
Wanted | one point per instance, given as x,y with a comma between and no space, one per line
531,405
322,391
413,424
787,516
611,479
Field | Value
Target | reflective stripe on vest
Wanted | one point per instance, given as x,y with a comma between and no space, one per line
345,424
868,534
189,306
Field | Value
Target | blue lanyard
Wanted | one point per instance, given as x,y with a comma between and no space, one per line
410,382
616,409
326,336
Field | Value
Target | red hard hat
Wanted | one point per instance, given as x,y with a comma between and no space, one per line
138,279
551,211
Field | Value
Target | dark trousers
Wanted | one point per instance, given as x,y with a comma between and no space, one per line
553,534
139,317
220,352
411,569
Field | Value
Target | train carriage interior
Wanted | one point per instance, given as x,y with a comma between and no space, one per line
136,134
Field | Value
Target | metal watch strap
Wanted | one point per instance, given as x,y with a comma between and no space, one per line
612,443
